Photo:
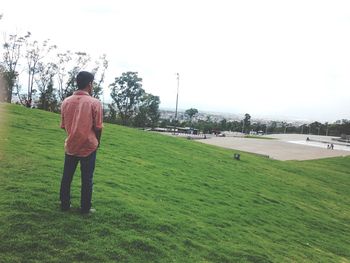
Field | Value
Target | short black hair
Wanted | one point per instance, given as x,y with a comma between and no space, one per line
83,79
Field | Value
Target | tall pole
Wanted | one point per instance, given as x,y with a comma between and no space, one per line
177,96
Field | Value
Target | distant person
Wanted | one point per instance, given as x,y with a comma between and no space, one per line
332,146
81,117
328,146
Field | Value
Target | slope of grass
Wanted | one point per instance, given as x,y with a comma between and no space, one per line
163,199
3,127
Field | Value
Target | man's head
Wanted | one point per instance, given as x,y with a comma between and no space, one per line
84,81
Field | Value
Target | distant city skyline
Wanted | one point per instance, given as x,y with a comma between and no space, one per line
240,116
269,58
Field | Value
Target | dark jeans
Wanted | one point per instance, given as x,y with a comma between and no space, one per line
87,167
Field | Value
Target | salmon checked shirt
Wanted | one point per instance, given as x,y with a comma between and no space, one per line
81,115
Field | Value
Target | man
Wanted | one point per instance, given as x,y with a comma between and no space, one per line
81,117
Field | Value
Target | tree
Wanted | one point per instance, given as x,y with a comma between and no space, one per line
235,126
205,126
246,123
112,113
284,126
62,64
303,128
99,73
11,55
35,52
223,125
315,127
191,113
68,66
165,123
148,112
126,92
48,100
80,59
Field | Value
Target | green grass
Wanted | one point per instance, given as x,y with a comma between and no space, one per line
164,199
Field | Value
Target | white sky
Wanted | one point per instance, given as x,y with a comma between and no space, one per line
267,58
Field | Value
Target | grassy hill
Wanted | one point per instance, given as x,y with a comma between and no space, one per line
163,199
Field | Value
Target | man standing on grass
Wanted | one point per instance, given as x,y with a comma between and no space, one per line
81,117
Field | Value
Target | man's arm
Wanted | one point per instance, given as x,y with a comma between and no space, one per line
98,122
98,133
63,126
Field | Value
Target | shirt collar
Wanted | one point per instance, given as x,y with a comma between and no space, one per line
81,92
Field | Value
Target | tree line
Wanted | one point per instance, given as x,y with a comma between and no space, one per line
246,125
49,77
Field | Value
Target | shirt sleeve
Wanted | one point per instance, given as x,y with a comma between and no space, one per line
98,116
63,126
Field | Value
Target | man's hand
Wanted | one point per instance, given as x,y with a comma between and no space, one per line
98,133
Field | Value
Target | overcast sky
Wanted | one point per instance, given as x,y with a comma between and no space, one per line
267,58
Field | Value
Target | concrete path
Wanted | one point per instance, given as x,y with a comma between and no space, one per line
284,147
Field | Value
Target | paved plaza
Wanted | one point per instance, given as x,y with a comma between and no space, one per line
284,146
